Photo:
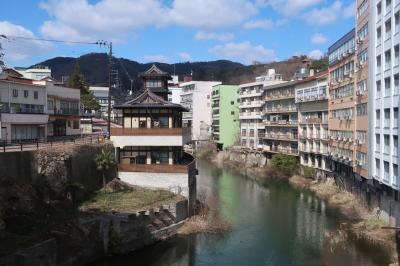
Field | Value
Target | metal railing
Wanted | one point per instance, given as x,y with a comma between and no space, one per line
156,131
36,144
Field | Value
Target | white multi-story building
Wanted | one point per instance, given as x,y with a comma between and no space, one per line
174,95
252,128
312,102
196,97
384,39
22,109
101,95
35,73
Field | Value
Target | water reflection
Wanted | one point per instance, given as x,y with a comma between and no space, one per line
274,224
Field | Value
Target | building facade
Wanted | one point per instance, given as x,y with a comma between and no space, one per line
280,119
342,97
225,115
63,108
22,109
384,39
252,128
196,98
35,73
149,145
361,75
312,102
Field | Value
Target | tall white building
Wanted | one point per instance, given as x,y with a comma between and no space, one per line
174,95
384,29
252,128
196,97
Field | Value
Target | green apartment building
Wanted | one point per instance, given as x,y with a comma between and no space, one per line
225,115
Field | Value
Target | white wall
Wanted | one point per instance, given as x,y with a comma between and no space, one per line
200,107
174,182
162,141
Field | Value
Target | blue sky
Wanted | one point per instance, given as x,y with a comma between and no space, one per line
175,30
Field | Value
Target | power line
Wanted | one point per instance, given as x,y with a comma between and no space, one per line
13,37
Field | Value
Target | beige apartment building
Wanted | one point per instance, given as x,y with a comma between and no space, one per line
280,119
312,102
361,88
341,106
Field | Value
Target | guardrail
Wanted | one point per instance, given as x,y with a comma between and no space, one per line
30,145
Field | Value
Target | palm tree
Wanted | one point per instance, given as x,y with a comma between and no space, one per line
104,161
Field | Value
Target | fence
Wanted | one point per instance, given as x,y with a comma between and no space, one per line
29,145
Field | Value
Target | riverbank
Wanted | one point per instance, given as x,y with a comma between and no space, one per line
359,223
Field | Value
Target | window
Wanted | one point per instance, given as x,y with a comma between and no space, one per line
388,59
243,132
377,142
377,167
387,86
395,117
395,171
361,136
386,170
378,34
208,96
378,89
388,3
378,118
386,142
395,145
362,109
232,112
363,56
396,22
388,28
153,83
396,84
378,62
251,132
379,8
50,105
15,92
26,94
362,8
387,117
35,95
232,102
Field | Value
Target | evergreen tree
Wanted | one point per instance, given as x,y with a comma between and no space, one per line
77,81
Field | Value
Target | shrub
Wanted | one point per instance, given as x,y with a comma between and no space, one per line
308,172
286,164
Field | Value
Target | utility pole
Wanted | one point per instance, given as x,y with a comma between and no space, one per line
109,89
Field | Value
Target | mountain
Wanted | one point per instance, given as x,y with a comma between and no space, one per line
94,67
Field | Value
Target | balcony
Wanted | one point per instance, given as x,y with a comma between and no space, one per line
63,111
292,123
289,151
281,110
153,168
122,137
289,137
279,97
314,120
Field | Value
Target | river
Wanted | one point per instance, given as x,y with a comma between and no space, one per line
274,224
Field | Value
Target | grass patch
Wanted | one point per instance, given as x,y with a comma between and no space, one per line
128,200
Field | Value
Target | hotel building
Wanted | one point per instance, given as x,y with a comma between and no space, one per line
341,106
312,102
252,127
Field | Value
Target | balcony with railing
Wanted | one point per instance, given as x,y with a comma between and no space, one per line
282,136
22,109
156,136
281,109
291,123
280,96
314,120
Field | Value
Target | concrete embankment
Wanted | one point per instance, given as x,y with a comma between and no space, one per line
39,220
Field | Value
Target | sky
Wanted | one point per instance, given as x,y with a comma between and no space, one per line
172,31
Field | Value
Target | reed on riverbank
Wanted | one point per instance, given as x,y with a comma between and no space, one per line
207,220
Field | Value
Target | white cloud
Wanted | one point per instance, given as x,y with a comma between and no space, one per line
118,19
17,49
328,14
265,24
288,7
211,14
106,19
243,52
222,37
316,54
318,38
185,56
350,10
159,58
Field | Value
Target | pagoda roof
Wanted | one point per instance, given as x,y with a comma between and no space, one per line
148,99
154,71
